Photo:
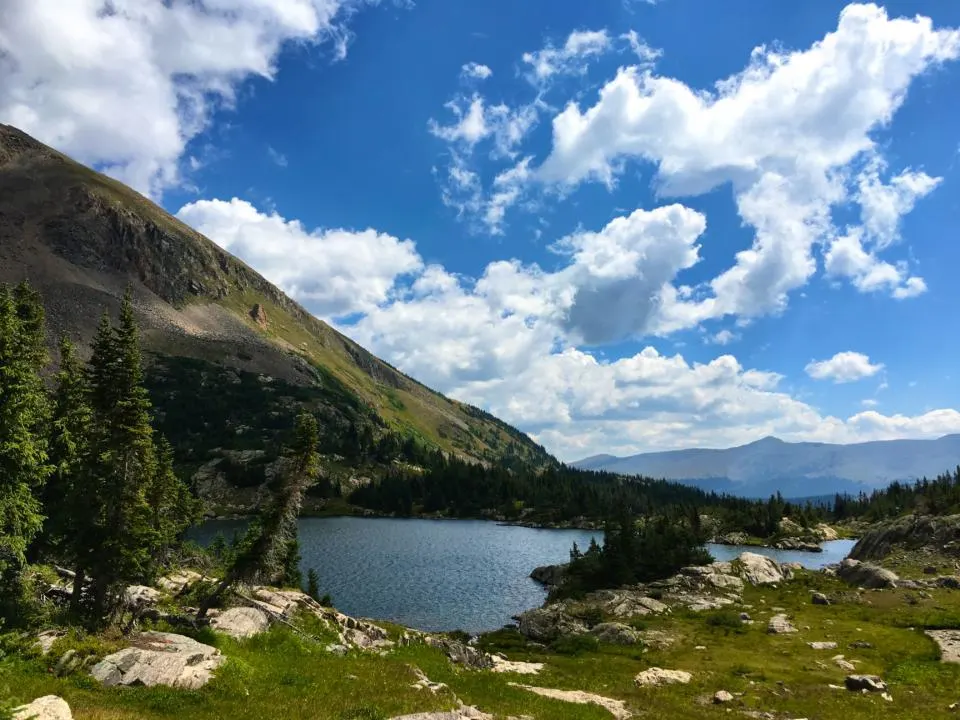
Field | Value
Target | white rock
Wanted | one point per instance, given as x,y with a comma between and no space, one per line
48,707
177,582
823,645
660,676
843,663
759,569
502,665
241,622
617,708
140,596
722,696
160,659
780,625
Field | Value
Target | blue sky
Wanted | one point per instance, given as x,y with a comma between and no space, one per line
620,225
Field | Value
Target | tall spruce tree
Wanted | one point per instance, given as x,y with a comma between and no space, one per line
265,551
67,502
24,465
123,538
172,507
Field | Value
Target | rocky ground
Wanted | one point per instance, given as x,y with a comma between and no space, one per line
750,637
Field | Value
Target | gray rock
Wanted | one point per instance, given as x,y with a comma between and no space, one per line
659,676
48,707
780,625
722,696
548,623
461,654
866,575
759,569
549,575
819,599
137,597
160,659
951,582
241,622
794,543
870,683
823,645
949,643
615,634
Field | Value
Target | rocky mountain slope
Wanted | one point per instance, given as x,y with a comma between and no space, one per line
795,469
212,325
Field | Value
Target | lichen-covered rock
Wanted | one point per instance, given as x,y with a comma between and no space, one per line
48,707
241,622
549,575
866,575
660,676
461,654
938,533
160,659
615,634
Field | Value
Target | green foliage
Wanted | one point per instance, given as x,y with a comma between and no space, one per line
726,619
24,463
574,644
313,584
940,496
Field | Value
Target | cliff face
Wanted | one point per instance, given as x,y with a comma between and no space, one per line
81,238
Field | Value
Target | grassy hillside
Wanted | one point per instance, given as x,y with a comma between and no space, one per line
81,238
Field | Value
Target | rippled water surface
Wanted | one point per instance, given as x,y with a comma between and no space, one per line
446,574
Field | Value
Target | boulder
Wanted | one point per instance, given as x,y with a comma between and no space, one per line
241,622
626,603
48,707
795,543
461,654
548,623
819,599
866,575
180,581
615,634
870,683
159,658
951,582
137,597
823,645
841,662
549,575
658,676
759,569
825,533
722,696
780,625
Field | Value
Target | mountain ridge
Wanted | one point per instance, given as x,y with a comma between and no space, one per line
792,468
82,239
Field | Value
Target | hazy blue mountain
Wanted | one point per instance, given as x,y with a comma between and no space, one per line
795,469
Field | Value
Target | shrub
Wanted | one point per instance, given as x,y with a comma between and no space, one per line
574,644
726,619
590,616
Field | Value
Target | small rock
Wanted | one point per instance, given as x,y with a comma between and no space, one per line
887,696
48,707
615,634
860,645
700,647
823,645
722,696
866,575
745,617
844,664
820,599
336,649
658,676
930,570
868,683
780,625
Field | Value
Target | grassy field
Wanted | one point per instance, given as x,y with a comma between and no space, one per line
281,675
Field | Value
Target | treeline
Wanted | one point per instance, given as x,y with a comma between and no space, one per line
84,480
940,496
422,480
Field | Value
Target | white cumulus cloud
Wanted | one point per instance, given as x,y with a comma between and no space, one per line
843,367
125,85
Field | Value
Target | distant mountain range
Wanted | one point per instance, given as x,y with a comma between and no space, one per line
795,469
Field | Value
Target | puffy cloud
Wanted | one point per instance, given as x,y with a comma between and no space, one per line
125,85
846,257
475,71
843,367
333,272
724,337
781,132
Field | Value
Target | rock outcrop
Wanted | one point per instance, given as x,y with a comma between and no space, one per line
48,707
241,622
759,569
549,575
615,634
548,623
940,534
866,575
617,708
949,643
780,625
159,658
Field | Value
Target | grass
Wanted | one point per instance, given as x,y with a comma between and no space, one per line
281,675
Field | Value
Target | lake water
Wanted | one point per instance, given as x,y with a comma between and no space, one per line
447,574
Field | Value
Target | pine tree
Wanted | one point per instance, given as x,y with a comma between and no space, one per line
265,551
313,584
123,537
24,465
172,508
66,498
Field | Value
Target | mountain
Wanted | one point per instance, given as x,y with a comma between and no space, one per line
231,357
794,469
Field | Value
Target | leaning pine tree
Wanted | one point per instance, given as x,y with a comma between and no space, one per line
265,549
